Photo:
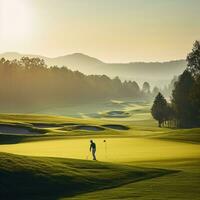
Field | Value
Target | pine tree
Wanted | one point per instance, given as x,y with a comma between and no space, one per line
193,60
182,100
159,108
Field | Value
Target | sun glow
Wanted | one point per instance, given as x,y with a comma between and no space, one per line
15,19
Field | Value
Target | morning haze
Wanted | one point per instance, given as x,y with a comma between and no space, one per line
113,31
99,99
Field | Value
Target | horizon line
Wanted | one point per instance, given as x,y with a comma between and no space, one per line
93,57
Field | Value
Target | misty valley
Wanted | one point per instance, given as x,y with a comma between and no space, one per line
99,100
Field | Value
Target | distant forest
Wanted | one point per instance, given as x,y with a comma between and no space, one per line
29,81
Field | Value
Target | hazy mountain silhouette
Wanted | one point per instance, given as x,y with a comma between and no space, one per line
158,73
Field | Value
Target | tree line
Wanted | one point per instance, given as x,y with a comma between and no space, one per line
29,81
183,111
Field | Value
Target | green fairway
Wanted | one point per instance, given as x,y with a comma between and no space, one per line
141,151
114,150
99,100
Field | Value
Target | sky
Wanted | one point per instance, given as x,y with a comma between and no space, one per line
111,30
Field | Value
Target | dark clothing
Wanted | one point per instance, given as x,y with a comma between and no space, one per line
93,146
93,149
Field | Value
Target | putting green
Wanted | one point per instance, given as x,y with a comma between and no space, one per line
113,150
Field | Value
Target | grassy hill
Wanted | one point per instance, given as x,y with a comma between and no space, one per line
182,135
145,158
24,177
183,185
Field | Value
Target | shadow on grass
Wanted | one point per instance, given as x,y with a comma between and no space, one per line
36,178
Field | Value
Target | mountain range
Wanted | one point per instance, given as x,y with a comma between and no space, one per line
157,73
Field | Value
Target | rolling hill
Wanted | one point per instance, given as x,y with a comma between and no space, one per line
157,73
33,178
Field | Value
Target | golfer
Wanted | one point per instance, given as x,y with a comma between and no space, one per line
93,149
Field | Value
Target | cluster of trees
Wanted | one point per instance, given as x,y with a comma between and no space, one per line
184,109
30,81
162,111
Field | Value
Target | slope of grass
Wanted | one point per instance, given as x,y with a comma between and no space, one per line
24,177
178,186
55,178
182,135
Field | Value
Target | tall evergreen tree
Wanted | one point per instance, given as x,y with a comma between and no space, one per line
158,109
182,100
193,60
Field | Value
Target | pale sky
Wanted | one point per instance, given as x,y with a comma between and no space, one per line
111,30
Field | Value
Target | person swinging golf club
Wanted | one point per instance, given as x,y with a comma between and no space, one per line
93,149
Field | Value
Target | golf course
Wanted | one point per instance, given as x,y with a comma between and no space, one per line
99,100
46,156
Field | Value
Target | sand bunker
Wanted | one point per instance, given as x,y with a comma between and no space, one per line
117,114
48,125
83,127
13,129
116,126
89,128
45,125
69,124
94,128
